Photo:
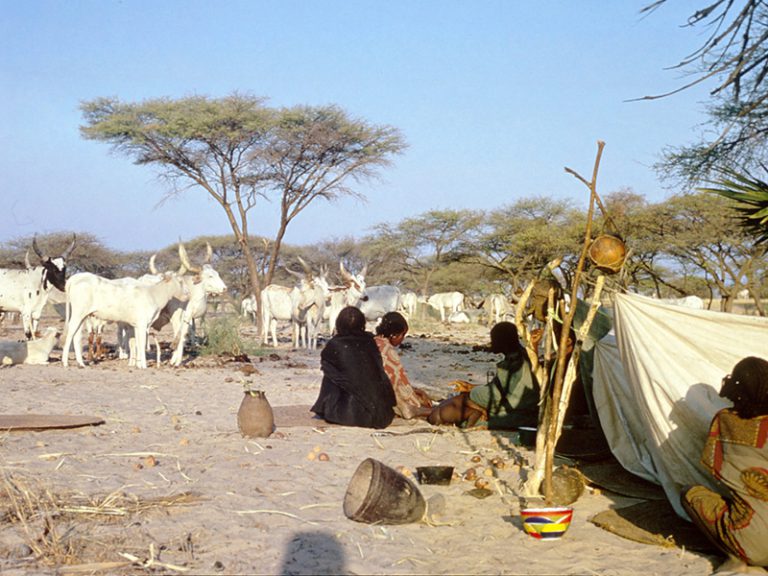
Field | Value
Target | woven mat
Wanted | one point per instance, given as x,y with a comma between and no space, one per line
299,415
45,421
653,522
610,475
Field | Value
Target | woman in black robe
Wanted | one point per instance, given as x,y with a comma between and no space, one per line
355,390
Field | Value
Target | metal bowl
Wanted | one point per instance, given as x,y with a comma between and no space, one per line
440,475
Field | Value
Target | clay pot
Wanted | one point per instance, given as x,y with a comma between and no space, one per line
255,418
607,253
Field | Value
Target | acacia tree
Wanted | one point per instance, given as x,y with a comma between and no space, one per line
642,226
89,255
423,243
238,150
734,59
315,152
700,235
520,239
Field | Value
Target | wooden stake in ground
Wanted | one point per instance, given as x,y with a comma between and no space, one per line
552,423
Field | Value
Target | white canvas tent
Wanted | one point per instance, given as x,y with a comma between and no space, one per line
656,385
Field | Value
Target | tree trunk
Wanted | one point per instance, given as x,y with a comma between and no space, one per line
253,274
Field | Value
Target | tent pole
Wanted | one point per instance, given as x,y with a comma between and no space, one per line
553,431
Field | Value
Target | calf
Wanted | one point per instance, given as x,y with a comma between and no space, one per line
32,352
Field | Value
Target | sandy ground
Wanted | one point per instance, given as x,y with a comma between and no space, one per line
188,494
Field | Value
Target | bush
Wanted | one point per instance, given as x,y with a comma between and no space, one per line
222,337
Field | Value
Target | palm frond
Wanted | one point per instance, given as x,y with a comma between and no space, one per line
750,195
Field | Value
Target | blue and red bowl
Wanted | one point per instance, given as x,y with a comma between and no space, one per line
546,523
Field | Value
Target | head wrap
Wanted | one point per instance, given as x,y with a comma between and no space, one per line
350,321
747,387
504,338
392,323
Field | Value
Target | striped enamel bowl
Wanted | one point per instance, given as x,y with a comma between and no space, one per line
546,523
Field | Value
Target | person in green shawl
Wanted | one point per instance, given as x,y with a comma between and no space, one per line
510,399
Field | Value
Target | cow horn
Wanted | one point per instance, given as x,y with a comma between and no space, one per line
344,274
363,272
185,264
298,275
69,250
208,253
27,265
307,269
152,267
37,250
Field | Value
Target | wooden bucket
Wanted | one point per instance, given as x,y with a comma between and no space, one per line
378,494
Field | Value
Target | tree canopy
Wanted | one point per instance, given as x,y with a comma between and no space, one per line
734,59
237,149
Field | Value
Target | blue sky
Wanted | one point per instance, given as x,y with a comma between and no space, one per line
494,97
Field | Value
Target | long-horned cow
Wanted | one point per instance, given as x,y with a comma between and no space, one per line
409,302
275,306
248,307
182,315
308,302
129,301
303,305
498,307
352,293
26,291
379,301
450,301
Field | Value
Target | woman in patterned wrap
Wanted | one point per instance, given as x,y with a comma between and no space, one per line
736,455
390,333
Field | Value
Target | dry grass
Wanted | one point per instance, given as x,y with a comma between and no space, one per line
80,533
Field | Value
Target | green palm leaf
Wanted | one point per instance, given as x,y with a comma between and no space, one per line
750,195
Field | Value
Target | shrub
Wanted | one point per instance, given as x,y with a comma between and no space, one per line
222,337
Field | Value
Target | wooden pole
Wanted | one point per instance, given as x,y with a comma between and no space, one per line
550,421
553,433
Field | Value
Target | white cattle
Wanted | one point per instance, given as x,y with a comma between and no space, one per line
26,291
308,303
450,301
137,305
409,303
29,352
497,306
460,317
379,301
248,307
275,306
182,314
352,293
126,337
303,305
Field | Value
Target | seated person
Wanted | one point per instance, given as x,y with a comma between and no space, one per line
736,454
355,390
509,400
390,333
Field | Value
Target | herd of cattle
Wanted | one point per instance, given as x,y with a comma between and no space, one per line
88,302
312,305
